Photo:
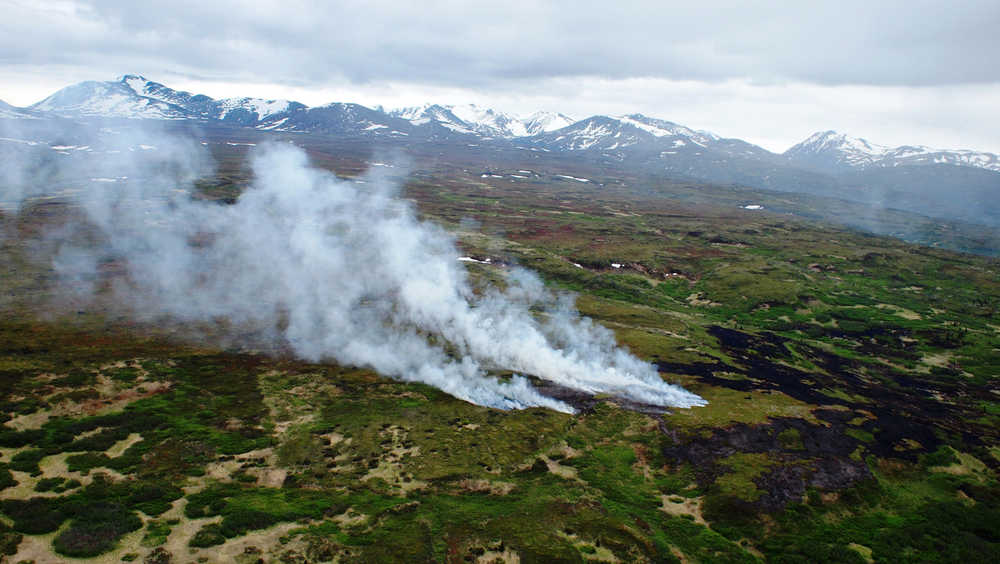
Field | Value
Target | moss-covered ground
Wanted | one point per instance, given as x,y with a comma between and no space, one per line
853,408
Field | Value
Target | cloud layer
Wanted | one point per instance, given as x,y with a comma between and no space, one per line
483,44
897,72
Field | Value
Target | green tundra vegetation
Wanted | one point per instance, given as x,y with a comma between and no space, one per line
853,410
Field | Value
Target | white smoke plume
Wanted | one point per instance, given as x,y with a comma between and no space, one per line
341,270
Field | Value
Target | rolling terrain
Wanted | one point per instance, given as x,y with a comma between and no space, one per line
851,381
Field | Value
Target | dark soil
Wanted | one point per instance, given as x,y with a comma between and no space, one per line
904,407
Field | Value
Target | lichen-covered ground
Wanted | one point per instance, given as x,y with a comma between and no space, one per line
853,408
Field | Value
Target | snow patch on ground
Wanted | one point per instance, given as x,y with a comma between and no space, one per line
20,141
568,177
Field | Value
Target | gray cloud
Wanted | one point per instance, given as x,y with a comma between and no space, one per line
476,45
896,72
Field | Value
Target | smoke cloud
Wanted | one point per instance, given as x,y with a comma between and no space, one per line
334,269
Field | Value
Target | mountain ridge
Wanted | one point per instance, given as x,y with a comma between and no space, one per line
136,97
909,177
839,152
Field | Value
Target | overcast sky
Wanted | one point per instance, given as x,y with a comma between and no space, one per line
894,72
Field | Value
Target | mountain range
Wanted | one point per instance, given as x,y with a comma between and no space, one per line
135,97
954,184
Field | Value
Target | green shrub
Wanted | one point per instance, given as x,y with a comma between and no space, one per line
153,498
96,530
87,461
732,517
98,441
852,326
48,484
790,439
209,501
209,535
75,379
76,396
240,521
943,456
68,485
126,375
8,541
156,533
34,516
17,439
27,461
6,478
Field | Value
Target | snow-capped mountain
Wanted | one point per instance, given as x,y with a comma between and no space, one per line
484,122
107,99
433,115
830,149
666,148
544,122
197,104
914,178
622,137
835,152
488,122
242,111
133,96
341,118
605,133
636,133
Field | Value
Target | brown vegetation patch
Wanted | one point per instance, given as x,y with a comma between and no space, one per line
678,506
486,486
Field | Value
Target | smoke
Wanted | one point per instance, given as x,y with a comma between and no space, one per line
336,270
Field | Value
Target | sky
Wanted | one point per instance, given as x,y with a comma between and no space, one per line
772,73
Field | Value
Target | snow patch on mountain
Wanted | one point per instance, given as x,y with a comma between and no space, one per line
444,116
838,149
489,122
193,104
662,128
544,122
613,135
263,108
137,83
486,122
106,99
839,152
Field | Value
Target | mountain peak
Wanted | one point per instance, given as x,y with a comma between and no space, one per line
544,121
472,118
833,151
663,128
832,141
137,83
